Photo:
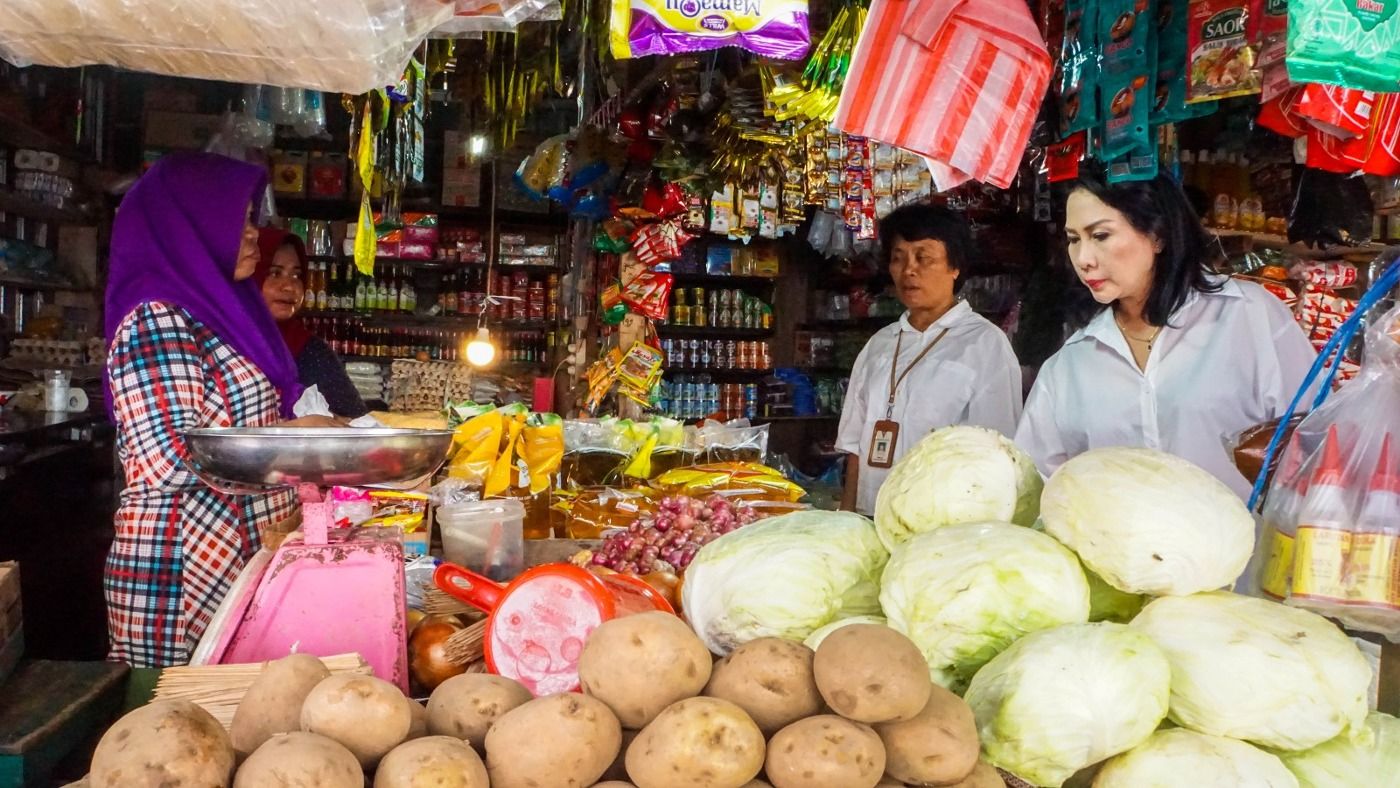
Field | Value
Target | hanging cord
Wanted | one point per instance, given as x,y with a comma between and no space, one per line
1332,351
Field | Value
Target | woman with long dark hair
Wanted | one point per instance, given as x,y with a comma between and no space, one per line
1176,357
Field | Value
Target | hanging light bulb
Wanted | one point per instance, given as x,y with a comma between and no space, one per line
480,351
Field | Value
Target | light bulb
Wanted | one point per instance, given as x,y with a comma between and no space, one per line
480,351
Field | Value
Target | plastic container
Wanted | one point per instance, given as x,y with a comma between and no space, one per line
486,536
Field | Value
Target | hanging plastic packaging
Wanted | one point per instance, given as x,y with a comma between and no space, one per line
1352,43
772,28
337,46
473,17
959,82
1221,61
1078,68
1331,540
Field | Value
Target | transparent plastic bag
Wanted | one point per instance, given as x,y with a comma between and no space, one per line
1330,538
472,17
337,46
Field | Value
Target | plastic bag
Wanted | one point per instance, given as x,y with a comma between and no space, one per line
735,441
741,480
337,46
772,28
1222,61
1079,59
1344,42
1331,523
971,121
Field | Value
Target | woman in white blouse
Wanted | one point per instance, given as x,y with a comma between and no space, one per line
1179,359
941,364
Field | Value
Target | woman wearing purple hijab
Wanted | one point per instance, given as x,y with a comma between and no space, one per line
192,345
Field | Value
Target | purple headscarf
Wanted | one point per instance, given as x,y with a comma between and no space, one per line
176,238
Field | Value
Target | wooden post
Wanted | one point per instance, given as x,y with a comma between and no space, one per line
1390,678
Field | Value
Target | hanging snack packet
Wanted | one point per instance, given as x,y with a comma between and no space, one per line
1063,158
1125,32
1169,105
1221,60
648,294
771,28
1344,113
1126,105
1079,67
1355,43
1138,165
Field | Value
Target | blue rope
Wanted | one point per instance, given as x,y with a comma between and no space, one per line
1332,351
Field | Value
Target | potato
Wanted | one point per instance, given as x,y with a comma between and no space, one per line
166,744
871,673
273,703
771,680
441,761
983,776
825,751
938,746
300,760
465,706
560,741
700,742
614,784
366,714
418,726
642,663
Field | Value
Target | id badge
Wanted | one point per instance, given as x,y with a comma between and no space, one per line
882,443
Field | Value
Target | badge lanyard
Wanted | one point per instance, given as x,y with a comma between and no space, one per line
886,434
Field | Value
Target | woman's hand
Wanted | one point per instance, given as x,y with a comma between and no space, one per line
316,421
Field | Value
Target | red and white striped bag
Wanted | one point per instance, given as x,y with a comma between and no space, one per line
957,81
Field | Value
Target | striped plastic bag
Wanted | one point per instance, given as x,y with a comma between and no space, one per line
957,81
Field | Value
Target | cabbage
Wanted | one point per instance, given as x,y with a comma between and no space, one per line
957,475
1060,700
1256,670
1148,522
1346,762
785,577
815,639
1182,757
965,592
1107,603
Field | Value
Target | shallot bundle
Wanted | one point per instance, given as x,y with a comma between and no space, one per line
669,540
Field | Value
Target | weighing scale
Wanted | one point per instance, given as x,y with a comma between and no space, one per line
324,591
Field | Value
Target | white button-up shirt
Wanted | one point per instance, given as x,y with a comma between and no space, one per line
1226,361
971,377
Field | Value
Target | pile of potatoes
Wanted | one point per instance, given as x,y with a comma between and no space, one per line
860,712
656,711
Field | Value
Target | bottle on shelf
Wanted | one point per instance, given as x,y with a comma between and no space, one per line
333,289
361,292
408,296
322,296
381,298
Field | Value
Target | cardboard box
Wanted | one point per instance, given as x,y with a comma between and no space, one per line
180,130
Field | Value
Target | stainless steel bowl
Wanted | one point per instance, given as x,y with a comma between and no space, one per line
248,459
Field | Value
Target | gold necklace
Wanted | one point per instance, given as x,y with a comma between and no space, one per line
1148,341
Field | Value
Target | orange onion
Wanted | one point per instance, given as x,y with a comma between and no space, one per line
427,660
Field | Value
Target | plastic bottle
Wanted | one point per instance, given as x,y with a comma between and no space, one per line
1373,550
1224,184
1290,487
1325,527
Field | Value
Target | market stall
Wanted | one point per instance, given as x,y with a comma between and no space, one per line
599,275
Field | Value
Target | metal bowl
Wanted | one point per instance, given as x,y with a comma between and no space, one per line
260,458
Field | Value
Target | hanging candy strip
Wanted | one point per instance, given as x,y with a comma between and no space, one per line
814,96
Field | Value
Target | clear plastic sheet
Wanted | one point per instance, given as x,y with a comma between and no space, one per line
338,46
473,17
1331,523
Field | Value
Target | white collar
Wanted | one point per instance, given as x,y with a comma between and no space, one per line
959,312
1105,329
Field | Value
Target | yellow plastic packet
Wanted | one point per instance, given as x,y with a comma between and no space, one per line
700,480
475,446
542,448
500,479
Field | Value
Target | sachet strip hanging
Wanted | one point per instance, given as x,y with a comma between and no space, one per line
957,81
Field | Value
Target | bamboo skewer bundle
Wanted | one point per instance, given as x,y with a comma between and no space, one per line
437,602
466,646
220,688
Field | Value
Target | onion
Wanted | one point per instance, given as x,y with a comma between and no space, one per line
427,660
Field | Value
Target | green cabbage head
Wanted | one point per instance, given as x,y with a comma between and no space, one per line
785,577
965,592
1063,699
1259,671
1178,757
957,475
815,639
1107,603
1148,522
1370,759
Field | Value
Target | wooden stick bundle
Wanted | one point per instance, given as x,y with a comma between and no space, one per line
220,688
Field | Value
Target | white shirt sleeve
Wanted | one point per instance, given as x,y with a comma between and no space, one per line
1295,355
850,435
1038,434
997,402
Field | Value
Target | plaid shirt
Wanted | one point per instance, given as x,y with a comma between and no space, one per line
179,545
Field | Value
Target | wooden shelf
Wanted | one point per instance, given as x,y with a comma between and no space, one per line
428,321
31,284
1281,243
707,332
860,324
13,203
783,419
720,375
333,208
724,280
19,134
439,265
